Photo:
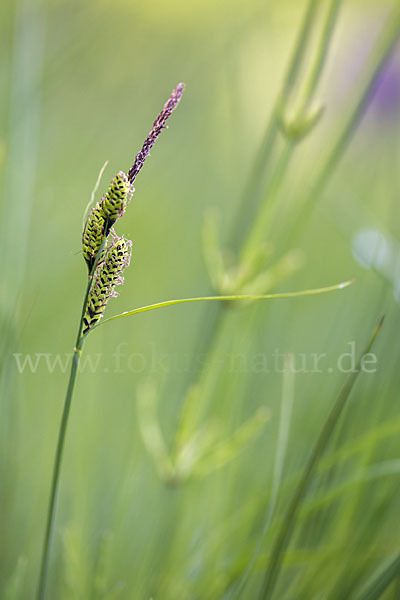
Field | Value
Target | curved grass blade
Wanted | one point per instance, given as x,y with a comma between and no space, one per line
289,520
280,455
381,580
311,292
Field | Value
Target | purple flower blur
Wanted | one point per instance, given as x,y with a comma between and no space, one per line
385,97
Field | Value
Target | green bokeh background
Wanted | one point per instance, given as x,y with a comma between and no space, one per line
81,83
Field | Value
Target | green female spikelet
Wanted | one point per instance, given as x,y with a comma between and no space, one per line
107,276
116,199
103,216
93,234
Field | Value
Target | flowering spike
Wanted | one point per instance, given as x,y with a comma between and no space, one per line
112,206
103,216
158,126
93,233
107,276
116,198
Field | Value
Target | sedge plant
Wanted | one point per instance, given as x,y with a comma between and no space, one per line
107,255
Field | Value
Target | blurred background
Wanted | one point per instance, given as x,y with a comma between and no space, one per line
166,494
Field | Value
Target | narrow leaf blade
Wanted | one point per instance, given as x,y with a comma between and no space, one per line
310,292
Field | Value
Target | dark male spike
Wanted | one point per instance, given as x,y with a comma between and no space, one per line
158,126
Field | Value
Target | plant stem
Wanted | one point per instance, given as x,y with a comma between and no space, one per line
56,476
380,55
320,57
51,512
263,222
255,183
259,232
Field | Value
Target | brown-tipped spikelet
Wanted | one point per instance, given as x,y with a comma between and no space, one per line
93,233
107,276
116,199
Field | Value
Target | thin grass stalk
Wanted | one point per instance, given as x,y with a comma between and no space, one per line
287,527
259,231
51,511
382,53
281,448
56,476
264,219
252,189
321,53
380,581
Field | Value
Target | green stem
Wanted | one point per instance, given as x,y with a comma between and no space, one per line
88,288
51,512
321,55
380,55
259,231
255,183
56,476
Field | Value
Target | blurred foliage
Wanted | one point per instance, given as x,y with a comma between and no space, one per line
81,83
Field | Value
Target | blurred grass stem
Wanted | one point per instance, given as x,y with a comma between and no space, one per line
287,528
379,56
258,172
264,219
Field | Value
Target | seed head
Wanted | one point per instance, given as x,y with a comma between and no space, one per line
116,199
93,233
113,204
103,216
107,276
158,125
